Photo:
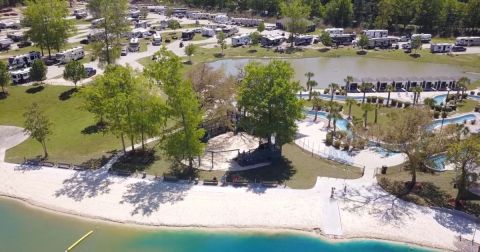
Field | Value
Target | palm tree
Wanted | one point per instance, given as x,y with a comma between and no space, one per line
333,87
416,93
317,105
347,80
364,87
335,115
376,112
390,88
366,108
330,105
350,102
462,84
310,85
309,76
430,102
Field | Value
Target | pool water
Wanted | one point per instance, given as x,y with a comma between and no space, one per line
440,99
454,120
342,124
438,162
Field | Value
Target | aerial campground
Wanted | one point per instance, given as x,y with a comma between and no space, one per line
240,126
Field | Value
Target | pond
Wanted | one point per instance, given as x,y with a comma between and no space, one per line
328,70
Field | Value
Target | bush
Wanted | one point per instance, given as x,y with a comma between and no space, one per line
472,122
444,114
393,103
380,100
408,104
326,91
464,96
336,144
454,107
346,147
437,108
329,139
478,93
436,114
399,104
477,109
369,99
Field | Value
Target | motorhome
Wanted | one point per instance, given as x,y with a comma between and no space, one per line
97,22
221,19
188,35
134,45
198,15
382,42
441,48
179,11
375,33
141,24
157,9
20,76
157,39
66,56
208,32
12,24
5,44
16,36
139,33
425,38
230,31
343,39
246,21
334,31
24,60
468,41
270,40
241,40
303,40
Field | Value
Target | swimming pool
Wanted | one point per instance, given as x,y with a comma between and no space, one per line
342,124
438,162
440,99
454,120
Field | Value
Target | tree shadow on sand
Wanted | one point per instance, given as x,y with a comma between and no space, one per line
85,184
146,197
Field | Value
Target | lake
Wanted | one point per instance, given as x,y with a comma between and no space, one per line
27,229
328,70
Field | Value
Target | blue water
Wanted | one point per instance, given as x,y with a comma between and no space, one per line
453,120
329,96
342,124
439,162
440,99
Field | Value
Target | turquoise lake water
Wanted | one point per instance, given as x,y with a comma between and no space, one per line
26,229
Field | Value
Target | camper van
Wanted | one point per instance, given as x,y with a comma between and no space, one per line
20,76
22,61
66,56
230,31
188,35
441,48
303,40
334,31
241,40
376,33
425,38
157,39
134,45
468,41
208,32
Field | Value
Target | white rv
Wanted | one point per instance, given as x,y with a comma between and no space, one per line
141,24
157,39
139,33
441,48
134,45
230,31
221,19
382,42
246,21
468,41
208,32
241,40
134,13
334,31
66,56
425,38
376,33
97,22
20,76
24,60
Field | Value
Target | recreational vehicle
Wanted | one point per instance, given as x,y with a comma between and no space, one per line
425,38
343,39
16,36
247,21
66,56
241,40
198,15
375,33
269,40
221,19
22,61
303,40
157,39
382,42
20,76
97,22
134,13
230,31
12,24
188,35
334,31
5,44
141,24
179,11
468,41
208,32
441,48
134,45
139,33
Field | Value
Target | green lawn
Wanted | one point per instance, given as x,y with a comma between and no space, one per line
68,143
382,118
466,106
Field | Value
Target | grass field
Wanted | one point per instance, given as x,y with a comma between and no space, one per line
467,106
68,143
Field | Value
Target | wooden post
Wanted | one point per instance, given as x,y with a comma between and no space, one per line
212,160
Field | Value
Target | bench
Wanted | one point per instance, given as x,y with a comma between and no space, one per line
80,168
269,183
63,165
169,178
240,183
210,182
47,164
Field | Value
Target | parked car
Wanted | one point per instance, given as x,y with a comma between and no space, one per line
84,41
90,71
50,61
23,44
124,52
458,49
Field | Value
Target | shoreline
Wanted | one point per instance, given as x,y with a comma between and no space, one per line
36,206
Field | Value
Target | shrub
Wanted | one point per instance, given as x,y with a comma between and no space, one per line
464,96
444,114
399,104
454,107
478,93
408,104
326,91
346,146
477,109
329,139
336,144
472,122
369,99
448,109
436,114
380,100
393,103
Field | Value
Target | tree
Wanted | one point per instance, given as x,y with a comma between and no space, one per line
49,26
261,27
429,102
462,84
268,96
332,87
326,39
366,108
295,13
190,49
350,102
364,87
310,85
385,13
173,24
309,76
38,126
334,114
416,93
348,80
339,13
113,25
256,38
221,41
363,41
74,71
38,72
416,44
317,105
5,78
390,88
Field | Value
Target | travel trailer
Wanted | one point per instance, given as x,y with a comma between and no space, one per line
12,24
198,15
221,19
20,76
425,38
441,48
382,42
208,32
24,60
241,40
468,41
134,45
334,31
157,39
16,36
139,33
375,33
303,40
66,56
343,39
97,22
5,44
230,31
141,24
246,21
270,40
188,35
